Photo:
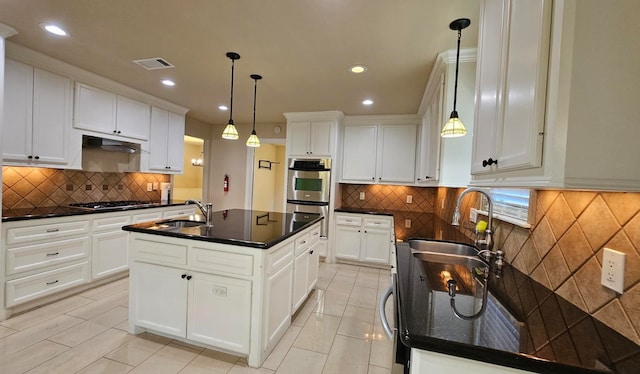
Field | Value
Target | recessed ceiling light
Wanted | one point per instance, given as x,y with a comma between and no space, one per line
367,102
53,29
357,69
168,82
223,107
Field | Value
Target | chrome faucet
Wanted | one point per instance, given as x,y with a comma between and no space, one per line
206,209
487,243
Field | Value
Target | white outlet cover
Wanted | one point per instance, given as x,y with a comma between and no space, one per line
361,195
409,199
613,269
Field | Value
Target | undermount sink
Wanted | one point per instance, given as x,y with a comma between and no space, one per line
440,247
471,262
179,224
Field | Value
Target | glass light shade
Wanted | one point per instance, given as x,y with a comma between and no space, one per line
230,132
453,128
253,140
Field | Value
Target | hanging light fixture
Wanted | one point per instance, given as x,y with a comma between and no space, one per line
230,132
454,127
253,140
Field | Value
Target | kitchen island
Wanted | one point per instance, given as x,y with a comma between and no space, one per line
231,287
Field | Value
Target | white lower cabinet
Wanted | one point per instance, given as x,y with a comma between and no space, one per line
110,252
363,237
278,311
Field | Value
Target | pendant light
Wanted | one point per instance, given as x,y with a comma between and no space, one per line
454,127
253,140
230,132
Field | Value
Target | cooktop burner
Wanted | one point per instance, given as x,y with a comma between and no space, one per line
97,205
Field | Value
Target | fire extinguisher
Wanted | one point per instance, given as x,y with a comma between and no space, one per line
226,183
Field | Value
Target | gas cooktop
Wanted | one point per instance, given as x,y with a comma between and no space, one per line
97,205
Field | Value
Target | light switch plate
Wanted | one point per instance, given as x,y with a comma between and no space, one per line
613,270
149,187
407,223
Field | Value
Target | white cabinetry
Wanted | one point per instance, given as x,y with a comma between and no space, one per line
107,113
312,134
379,149
166,145
513,57
278,294
109,244
179,211
363,237
37,116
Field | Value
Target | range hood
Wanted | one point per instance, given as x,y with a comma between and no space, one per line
109,145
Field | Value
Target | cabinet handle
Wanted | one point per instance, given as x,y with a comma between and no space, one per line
119,132
29,157
302,242
373,178
489,162
311,252
365,231
315,233
37,157
53,254
188,277
50,283
358,230
53,230
183,276
114,131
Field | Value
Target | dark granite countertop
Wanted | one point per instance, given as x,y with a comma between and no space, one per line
248,228
9,215
525,325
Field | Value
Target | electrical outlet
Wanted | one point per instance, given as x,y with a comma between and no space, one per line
407,223
361,195
409,199
149,187
155,186
473,215
613,270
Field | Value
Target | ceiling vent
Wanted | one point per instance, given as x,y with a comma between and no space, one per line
154,63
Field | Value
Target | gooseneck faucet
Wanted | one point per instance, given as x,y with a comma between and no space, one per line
207,210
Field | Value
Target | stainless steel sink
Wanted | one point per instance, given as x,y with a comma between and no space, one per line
470,262
179,224
439,247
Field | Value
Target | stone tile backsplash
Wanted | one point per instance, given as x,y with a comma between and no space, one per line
378,196
27,187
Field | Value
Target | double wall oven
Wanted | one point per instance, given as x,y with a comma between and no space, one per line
308,185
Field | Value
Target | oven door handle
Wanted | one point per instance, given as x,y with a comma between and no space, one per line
382,312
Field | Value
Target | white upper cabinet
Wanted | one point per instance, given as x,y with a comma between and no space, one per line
166,145
513,56
37,116
379,149
312,134
105,112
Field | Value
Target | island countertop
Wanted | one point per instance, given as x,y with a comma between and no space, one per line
249,228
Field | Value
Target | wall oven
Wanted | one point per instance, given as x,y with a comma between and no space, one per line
308,185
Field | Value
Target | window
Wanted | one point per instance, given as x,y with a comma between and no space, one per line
510,205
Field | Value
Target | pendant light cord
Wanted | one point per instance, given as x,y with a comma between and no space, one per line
255,91
233,63
455,87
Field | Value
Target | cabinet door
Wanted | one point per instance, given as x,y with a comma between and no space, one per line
52,95
132,118
278,298
300,272
427,163
18,109
359,154
397,153
299,133
376,245
219,312
348,242
314,262
95,109
110,253
158,139
175,142
320,139
159,298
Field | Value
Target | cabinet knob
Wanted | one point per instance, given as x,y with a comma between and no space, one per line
119,132
29,157
37,157
115,132
183,276
188,277
489,162
365,231
358,230
373,178
311,252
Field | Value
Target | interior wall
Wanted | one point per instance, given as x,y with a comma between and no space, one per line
280,170
264,179
188,185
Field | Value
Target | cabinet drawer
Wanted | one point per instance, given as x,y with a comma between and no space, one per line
17,235
146,217
32,287
220,262
314,235
377,222
180,212
279,258
348,220
159,252
46,254
301,243
110,223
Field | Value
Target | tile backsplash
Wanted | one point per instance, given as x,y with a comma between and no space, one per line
377,196
27,187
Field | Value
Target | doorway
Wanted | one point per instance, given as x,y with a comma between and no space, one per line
188,185
269,173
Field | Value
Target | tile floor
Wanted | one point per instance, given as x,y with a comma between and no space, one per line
336,331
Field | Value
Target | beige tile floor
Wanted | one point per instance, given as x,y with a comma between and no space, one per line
336,331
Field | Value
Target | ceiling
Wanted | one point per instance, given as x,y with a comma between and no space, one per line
302,48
